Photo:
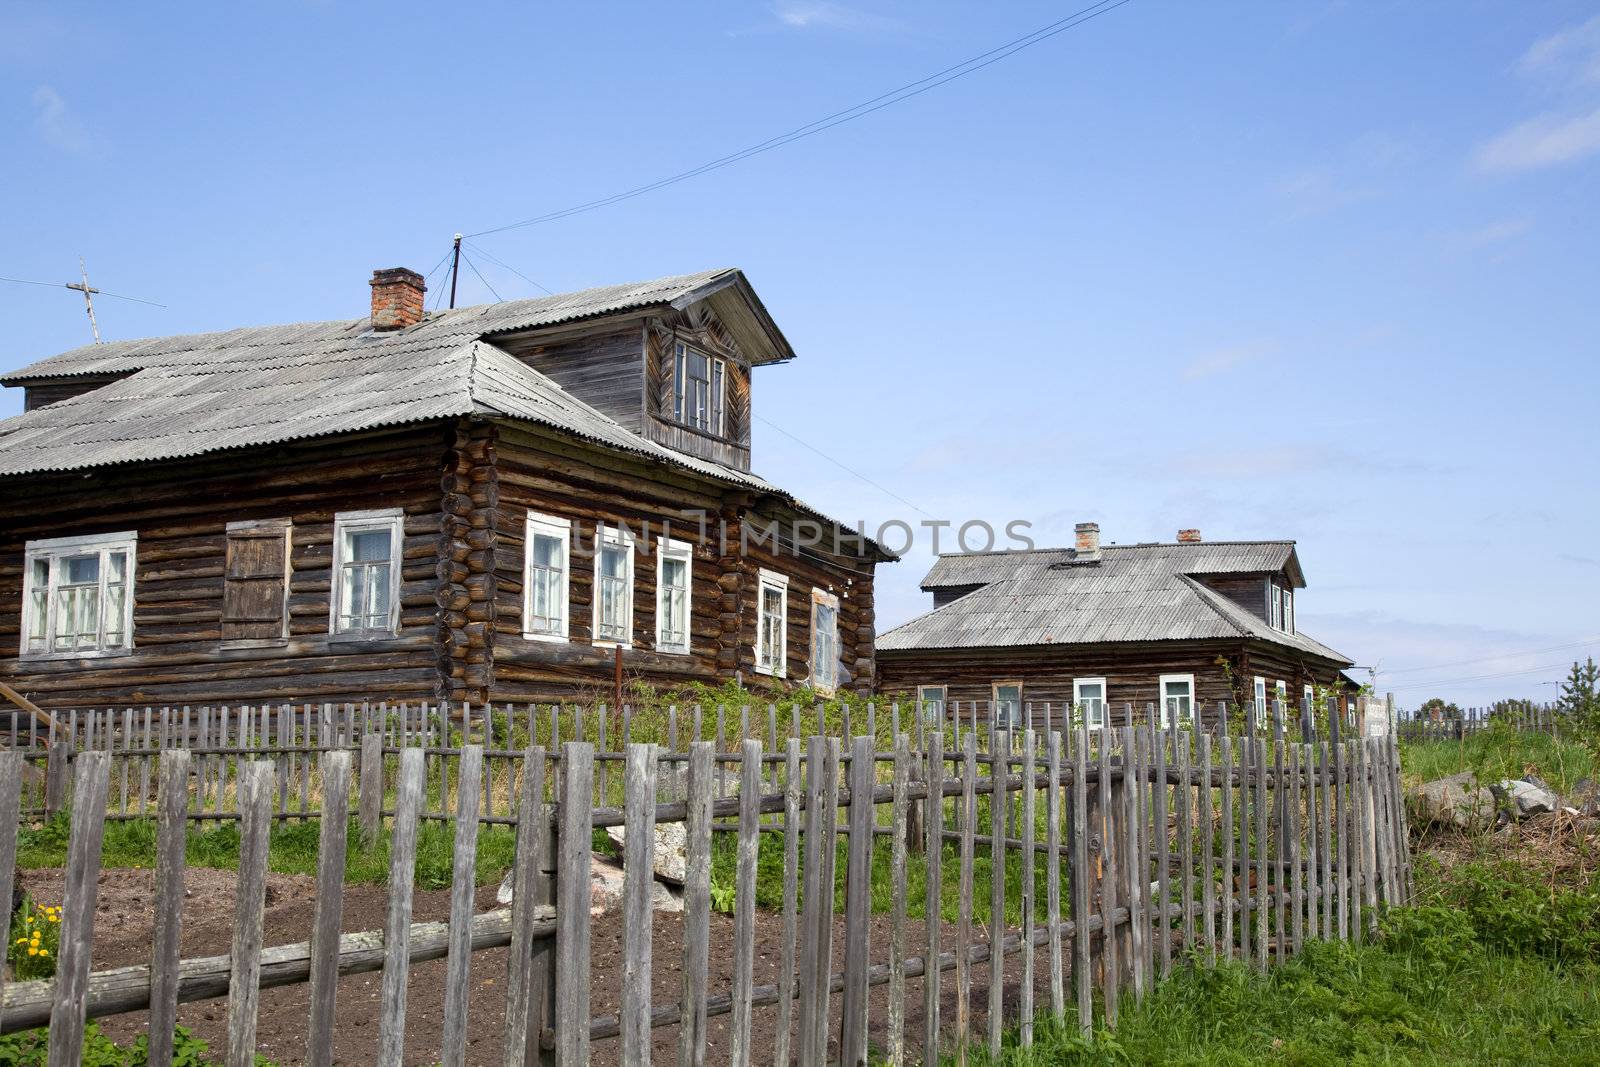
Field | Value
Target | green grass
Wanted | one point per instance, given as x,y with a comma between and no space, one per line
292,849
1503,752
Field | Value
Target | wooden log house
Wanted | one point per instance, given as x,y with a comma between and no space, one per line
1177,626
476,504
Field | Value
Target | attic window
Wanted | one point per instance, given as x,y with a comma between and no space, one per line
699,384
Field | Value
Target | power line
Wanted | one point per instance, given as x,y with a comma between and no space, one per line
841,466
98,292
492,258
827,122
481,278
1490,659
1443,682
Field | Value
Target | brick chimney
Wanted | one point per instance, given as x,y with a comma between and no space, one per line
397,295
1188,537
1088,540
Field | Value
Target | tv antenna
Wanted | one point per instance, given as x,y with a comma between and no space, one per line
89,292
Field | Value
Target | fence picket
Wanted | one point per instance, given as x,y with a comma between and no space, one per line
791,874
11,777
933,903
329,907
464,861
408,806
744,919
901,826
969,819
697,905
526,972
999,830
574,845
250,900
638,869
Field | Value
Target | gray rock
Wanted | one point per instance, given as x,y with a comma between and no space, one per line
1521,798
1586,798
671,851
605,889
1457,801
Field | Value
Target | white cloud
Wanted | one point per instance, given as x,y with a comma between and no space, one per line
1497,232
1226,359
58,125
823,15
1571,55
1543,141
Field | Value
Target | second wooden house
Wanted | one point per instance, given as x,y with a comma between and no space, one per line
1114,632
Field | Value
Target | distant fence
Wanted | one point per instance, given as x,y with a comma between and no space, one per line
1529,718
1112,855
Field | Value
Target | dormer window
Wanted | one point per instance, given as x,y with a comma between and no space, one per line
1280,607
698,390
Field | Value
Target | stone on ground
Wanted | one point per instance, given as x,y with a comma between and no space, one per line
1457,801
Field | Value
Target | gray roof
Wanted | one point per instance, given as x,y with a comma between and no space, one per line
1144,592
199,393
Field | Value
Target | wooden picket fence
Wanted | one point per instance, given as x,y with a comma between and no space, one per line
1529,718
1150,846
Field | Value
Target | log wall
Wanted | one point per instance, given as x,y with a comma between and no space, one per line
181,510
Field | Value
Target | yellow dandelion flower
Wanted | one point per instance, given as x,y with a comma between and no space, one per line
22,941
44,952
32,951
54,919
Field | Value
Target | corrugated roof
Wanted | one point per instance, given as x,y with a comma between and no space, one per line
1135,593
199,393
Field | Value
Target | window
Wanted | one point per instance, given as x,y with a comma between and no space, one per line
1288,610
1309,697
824,641
255,585
674,577
1280,693
366,573
1274,606
613,587
699,383
772,624
78,594
931,699
1258,715
1177,700
1007,705
547,548
1089,700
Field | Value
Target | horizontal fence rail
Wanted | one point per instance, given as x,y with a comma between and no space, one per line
1063,870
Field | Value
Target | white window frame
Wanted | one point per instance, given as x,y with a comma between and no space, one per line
561,530
932,708
613,537
716,382
1094,718
1183,719
1021,719
1274,606
1281,693
1258,717
1309,695
345,522
54,549
666,549
1287,596
824,681
772,580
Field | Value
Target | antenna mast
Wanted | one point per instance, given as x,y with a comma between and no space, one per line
455,269
88,292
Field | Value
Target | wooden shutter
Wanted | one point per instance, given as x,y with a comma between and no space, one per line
255,594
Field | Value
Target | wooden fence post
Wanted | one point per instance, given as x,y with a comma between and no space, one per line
857,905
171,803
572,904
244,992
329,910
369,805
79,894
408,806
11,765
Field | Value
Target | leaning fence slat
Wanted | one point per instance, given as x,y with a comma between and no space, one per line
638,866
329,909
1082,979
397,922
791,872
469,797
999,820
1297,888
250,899
1052,890
857,906
1029,838
812,973
11,774
572,903
1108,883
523,1019
901,824
370,796
933,923
696,905
969,820
744,917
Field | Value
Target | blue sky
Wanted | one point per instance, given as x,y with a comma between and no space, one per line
1320,271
